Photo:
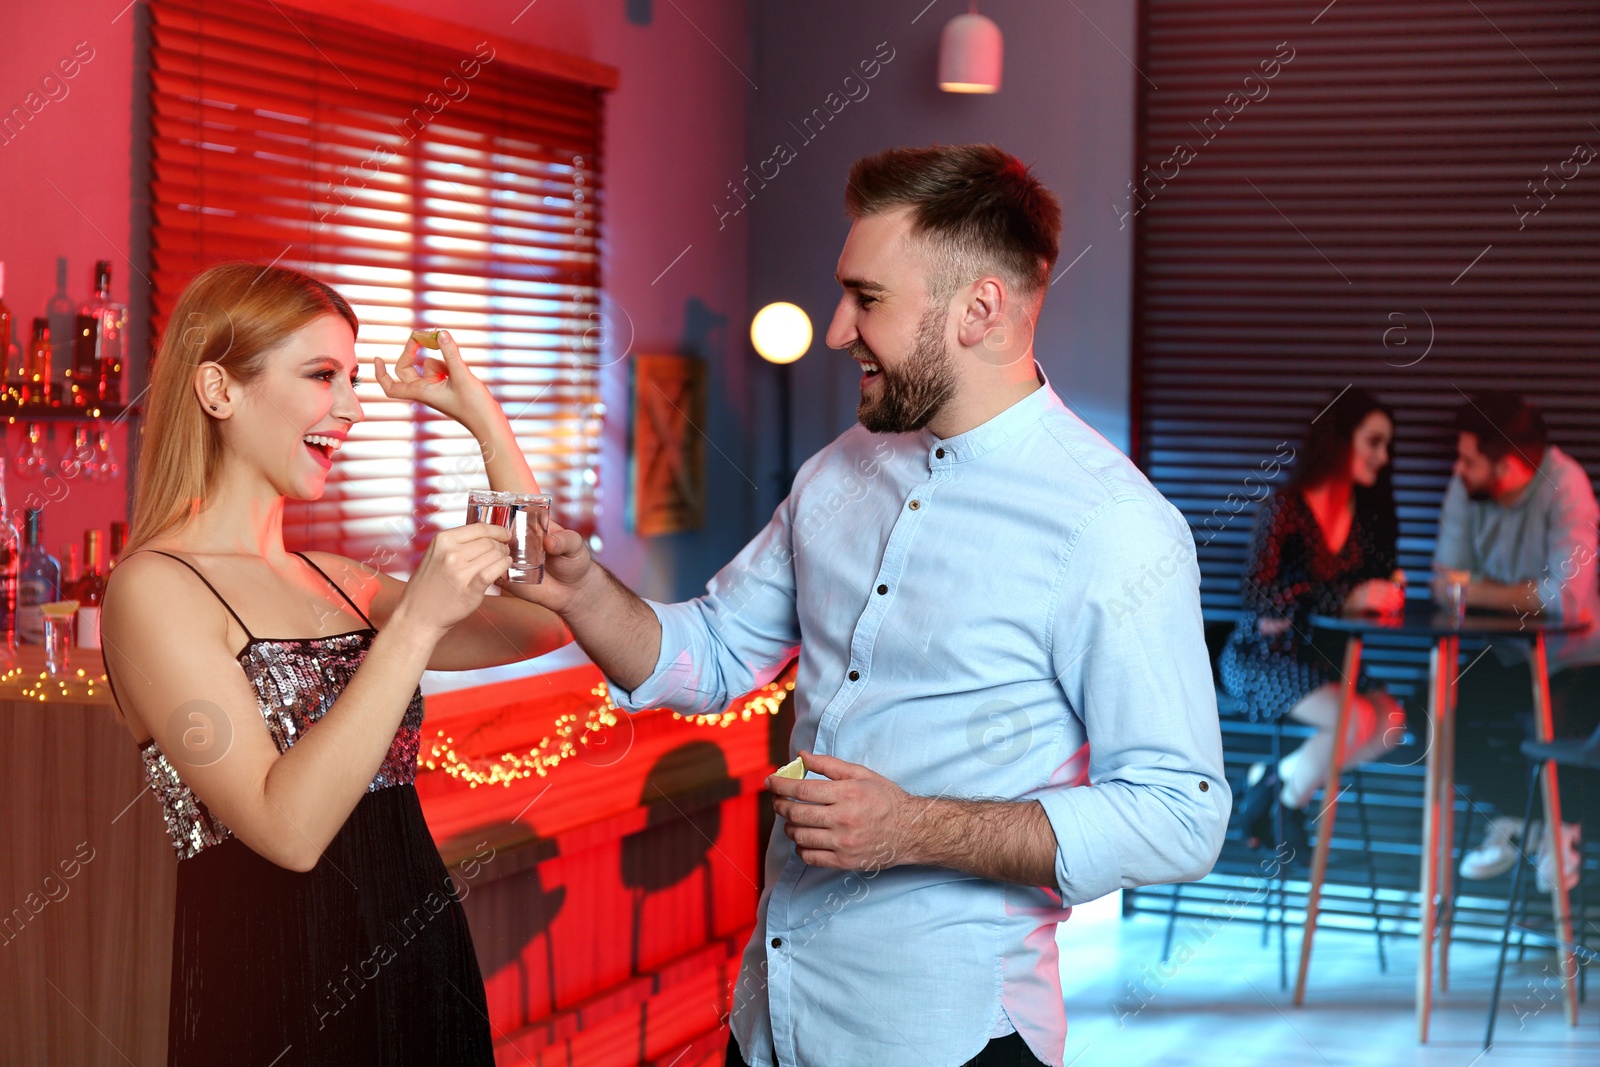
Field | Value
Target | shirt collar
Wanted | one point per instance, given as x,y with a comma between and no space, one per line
997,431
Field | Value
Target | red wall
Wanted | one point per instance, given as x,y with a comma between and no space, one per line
674,136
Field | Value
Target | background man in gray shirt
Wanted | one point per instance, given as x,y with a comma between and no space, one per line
1520,515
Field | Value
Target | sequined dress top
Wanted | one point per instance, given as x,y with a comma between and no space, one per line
271,965
296,681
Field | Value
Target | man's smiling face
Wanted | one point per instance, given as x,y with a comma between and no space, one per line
889,325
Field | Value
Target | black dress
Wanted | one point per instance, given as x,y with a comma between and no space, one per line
364,959
1292,575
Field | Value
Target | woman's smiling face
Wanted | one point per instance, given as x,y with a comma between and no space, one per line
292,419
1369,448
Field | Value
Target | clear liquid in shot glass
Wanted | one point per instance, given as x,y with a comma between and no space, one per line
527,516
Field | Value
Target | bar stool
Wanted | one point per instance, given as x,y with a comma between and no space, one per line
1580,755
1228,706
1216,635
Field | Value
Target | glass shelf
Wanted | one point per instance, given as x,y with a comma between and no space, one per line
14,412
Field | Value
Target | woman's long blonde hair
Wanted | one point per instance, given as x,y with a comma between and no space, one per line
232,314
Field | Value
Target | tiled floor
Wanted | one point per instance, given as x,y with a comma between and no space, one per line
1219,1002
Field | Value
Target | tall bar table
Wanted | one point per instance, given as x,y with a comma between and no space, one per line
1421,619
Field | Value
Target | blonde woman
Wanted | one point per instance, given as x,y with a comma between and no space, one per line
274,695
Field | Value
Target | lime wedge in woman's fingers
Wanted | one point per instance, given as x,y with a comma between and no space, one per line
793,769
427,338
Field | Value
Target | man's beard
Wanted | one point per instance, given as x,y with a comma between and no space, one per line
910,397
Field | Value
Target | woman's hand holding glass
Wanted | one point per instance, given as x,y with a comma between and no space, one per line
1376,596
455,572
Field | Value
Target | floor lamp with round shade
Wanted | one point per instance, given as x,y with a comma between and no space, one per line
781,334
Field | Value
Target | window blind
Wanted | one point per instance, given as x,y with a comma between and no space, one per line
434,185
1381,193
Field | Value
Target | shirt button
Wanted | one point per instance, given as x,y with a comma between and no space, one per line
1205,786
855,676
915,504
882,589
938,453
777,942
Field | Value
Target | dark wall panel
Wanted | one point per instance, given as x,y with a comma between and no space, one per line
1403,196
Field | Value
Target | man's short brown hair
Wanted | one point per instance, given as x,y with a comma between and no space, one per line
981,209
1504,423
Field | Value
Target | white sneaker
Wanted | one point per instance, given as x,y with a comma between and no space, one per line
1502,841
1571,833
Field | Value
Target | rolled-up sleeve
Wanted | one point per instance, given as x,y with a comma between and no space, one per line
1566,588
1128,644
731,640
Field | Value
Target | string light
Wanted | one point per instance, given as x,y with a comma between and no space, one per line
40,688
568,736
764,701
572,732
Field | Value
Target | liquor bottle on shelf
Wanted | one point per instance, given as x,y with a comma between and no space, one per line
69,571
7,349
90,591
62,313
38,581
36,370
96,375
79,361
10,559
119,541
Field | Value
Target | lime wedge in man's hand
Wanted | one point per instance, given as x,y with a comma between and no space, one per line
795,768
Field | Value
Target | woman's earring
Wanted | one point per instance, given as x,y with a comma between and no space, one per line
213,407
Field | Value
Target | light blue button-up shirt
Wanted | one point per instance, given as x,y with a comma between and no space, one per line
1012,613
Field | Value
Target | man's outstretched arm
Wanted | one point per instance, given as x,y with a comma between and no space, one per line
693,657
609,621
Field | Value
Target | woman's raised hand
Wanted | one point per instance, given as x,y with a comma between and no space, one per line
446,384
456,570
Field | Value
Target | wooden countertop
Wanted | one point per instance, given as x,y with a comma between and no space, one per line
23,677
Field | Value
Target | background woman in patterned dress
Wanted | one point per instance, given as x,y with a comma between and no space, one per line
1323,544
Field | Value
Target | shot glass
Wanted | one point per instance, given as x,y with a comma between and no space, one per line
527,516
57,640
1456,583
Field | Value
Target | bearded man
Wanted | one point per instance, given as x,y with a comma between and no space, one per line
994,730
1518,522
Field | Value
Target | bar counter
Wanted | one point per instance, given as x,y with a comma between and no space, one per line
87,892
609,865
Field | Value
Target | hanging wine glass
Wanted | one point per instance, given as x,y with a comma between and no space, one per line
102,464
31,461
78,454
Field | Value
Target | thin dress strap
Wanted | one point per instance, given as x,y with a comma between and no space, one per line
235,614
211,587
337,589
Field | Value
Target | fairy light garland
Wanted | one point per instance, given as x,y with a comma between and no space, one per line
571,732
47,688
764,701
568,736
